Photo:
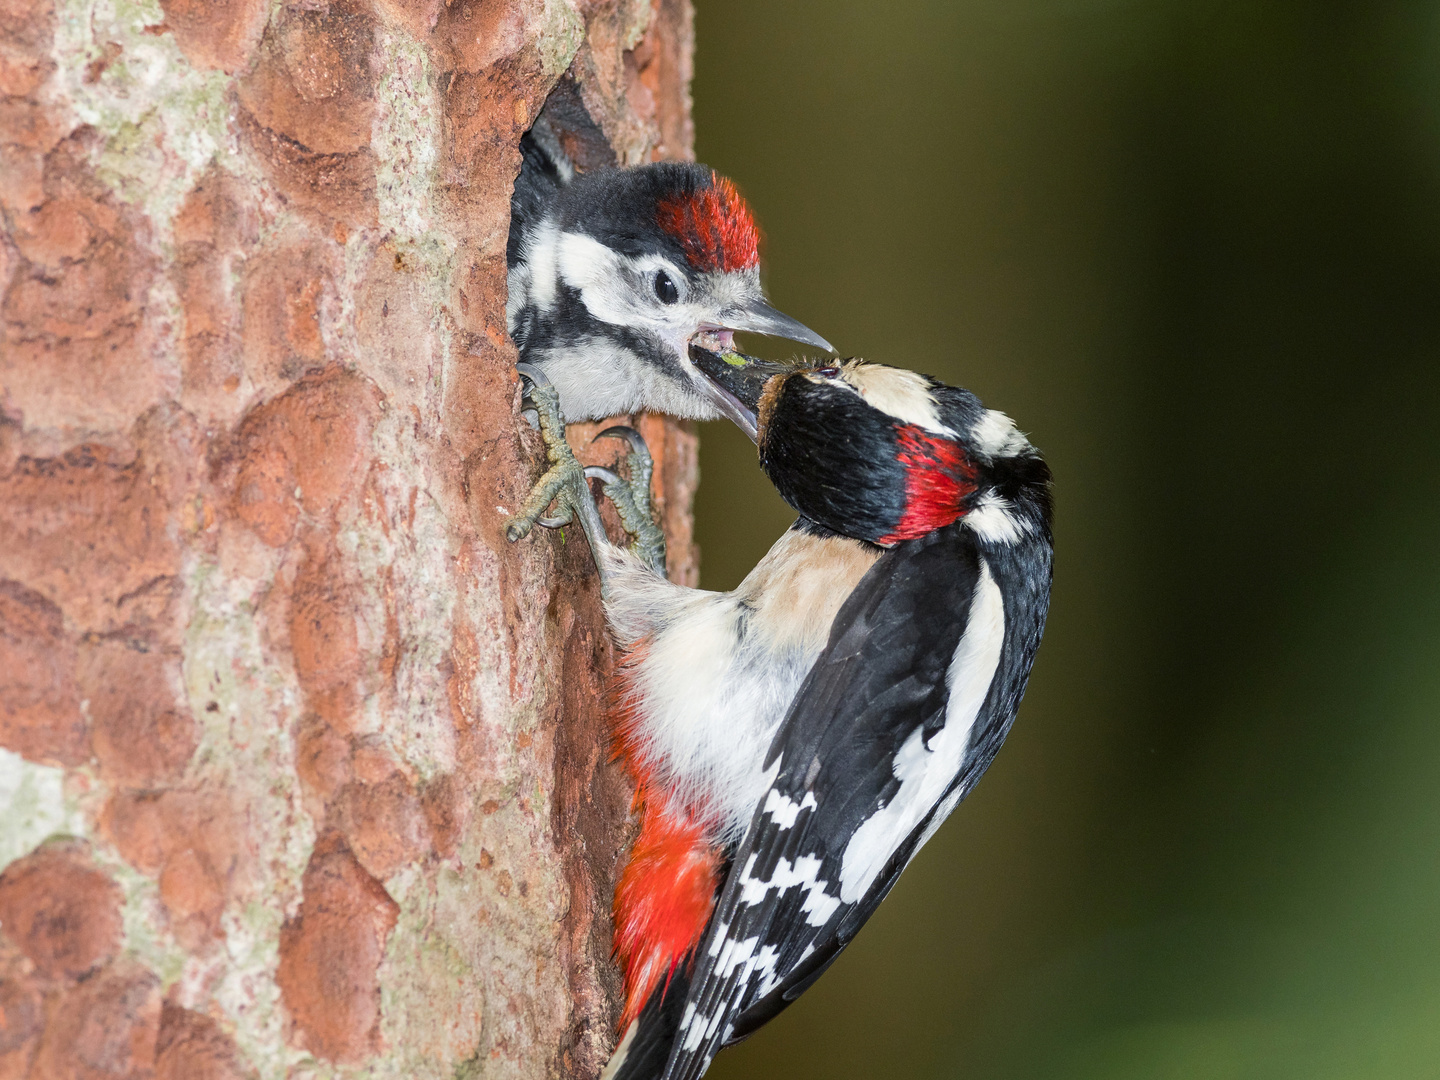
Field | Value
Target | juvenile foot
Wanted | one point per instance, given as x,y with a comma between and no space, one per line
631,496
564,481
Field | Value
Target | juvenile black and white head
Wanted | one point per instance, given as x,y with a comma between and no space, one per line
883,454
614,277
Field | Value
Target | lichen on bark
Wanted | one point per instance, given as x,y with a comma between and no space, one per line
321,756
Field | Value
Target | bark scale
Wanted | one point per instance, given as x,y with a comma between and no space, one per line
303,768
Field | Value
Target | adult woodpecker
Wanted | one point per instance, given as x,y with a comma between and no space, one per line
613,273
797,740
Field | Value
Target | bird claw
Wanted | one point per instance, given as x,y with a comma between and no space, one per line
564,481
604,475
632,497
636,519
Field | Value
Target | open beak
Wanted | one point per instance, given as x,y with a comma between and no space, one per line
734,382
758,317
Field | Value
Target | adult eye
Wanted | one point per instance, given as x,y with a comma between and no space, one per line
666,291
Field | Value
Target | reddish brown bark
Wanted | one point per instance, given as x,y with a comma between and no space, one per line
303,768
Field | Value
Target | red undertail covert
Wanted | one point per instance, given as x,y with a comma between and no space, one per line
663,901
667,890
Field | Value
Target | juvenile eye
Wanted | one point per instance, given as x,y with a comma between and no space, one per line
828,372
665,288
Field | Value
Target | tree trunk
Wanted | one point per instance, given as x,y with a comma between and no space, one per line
303,768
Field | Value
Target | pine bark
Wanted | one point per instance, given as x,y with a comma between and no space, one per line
303,768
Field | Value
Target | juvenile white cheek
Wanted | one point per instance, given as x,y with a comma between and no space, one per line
609,288
588,265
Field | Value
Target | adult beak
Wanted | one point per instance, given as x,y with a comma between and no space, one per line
758,317
734,382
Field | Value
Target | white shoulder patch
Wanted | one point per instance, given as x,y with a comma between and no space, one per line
925,772
996,436
991,520
905,395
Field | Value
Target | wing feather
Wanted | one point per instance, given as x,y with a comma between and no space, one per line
882,678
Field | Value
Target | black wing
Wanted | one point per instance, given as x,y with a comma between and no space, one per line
799,889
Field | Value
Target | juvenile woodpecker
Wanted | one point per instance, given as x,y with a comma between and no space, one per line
797,740
613,273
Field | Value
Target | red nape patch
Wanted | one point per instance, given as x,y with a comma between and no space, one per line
938,480
714,226
663,901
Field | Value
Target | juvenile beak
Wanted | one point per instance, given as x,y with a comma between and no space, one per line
734,382
758,317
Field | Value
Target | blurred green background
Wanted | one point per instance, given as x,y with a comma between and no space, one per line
1194,249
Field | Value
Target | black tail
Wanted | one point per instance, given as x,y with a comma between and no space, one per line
645,1046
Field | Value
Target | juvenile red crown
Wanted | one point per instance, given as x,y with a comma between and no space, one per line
714,226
